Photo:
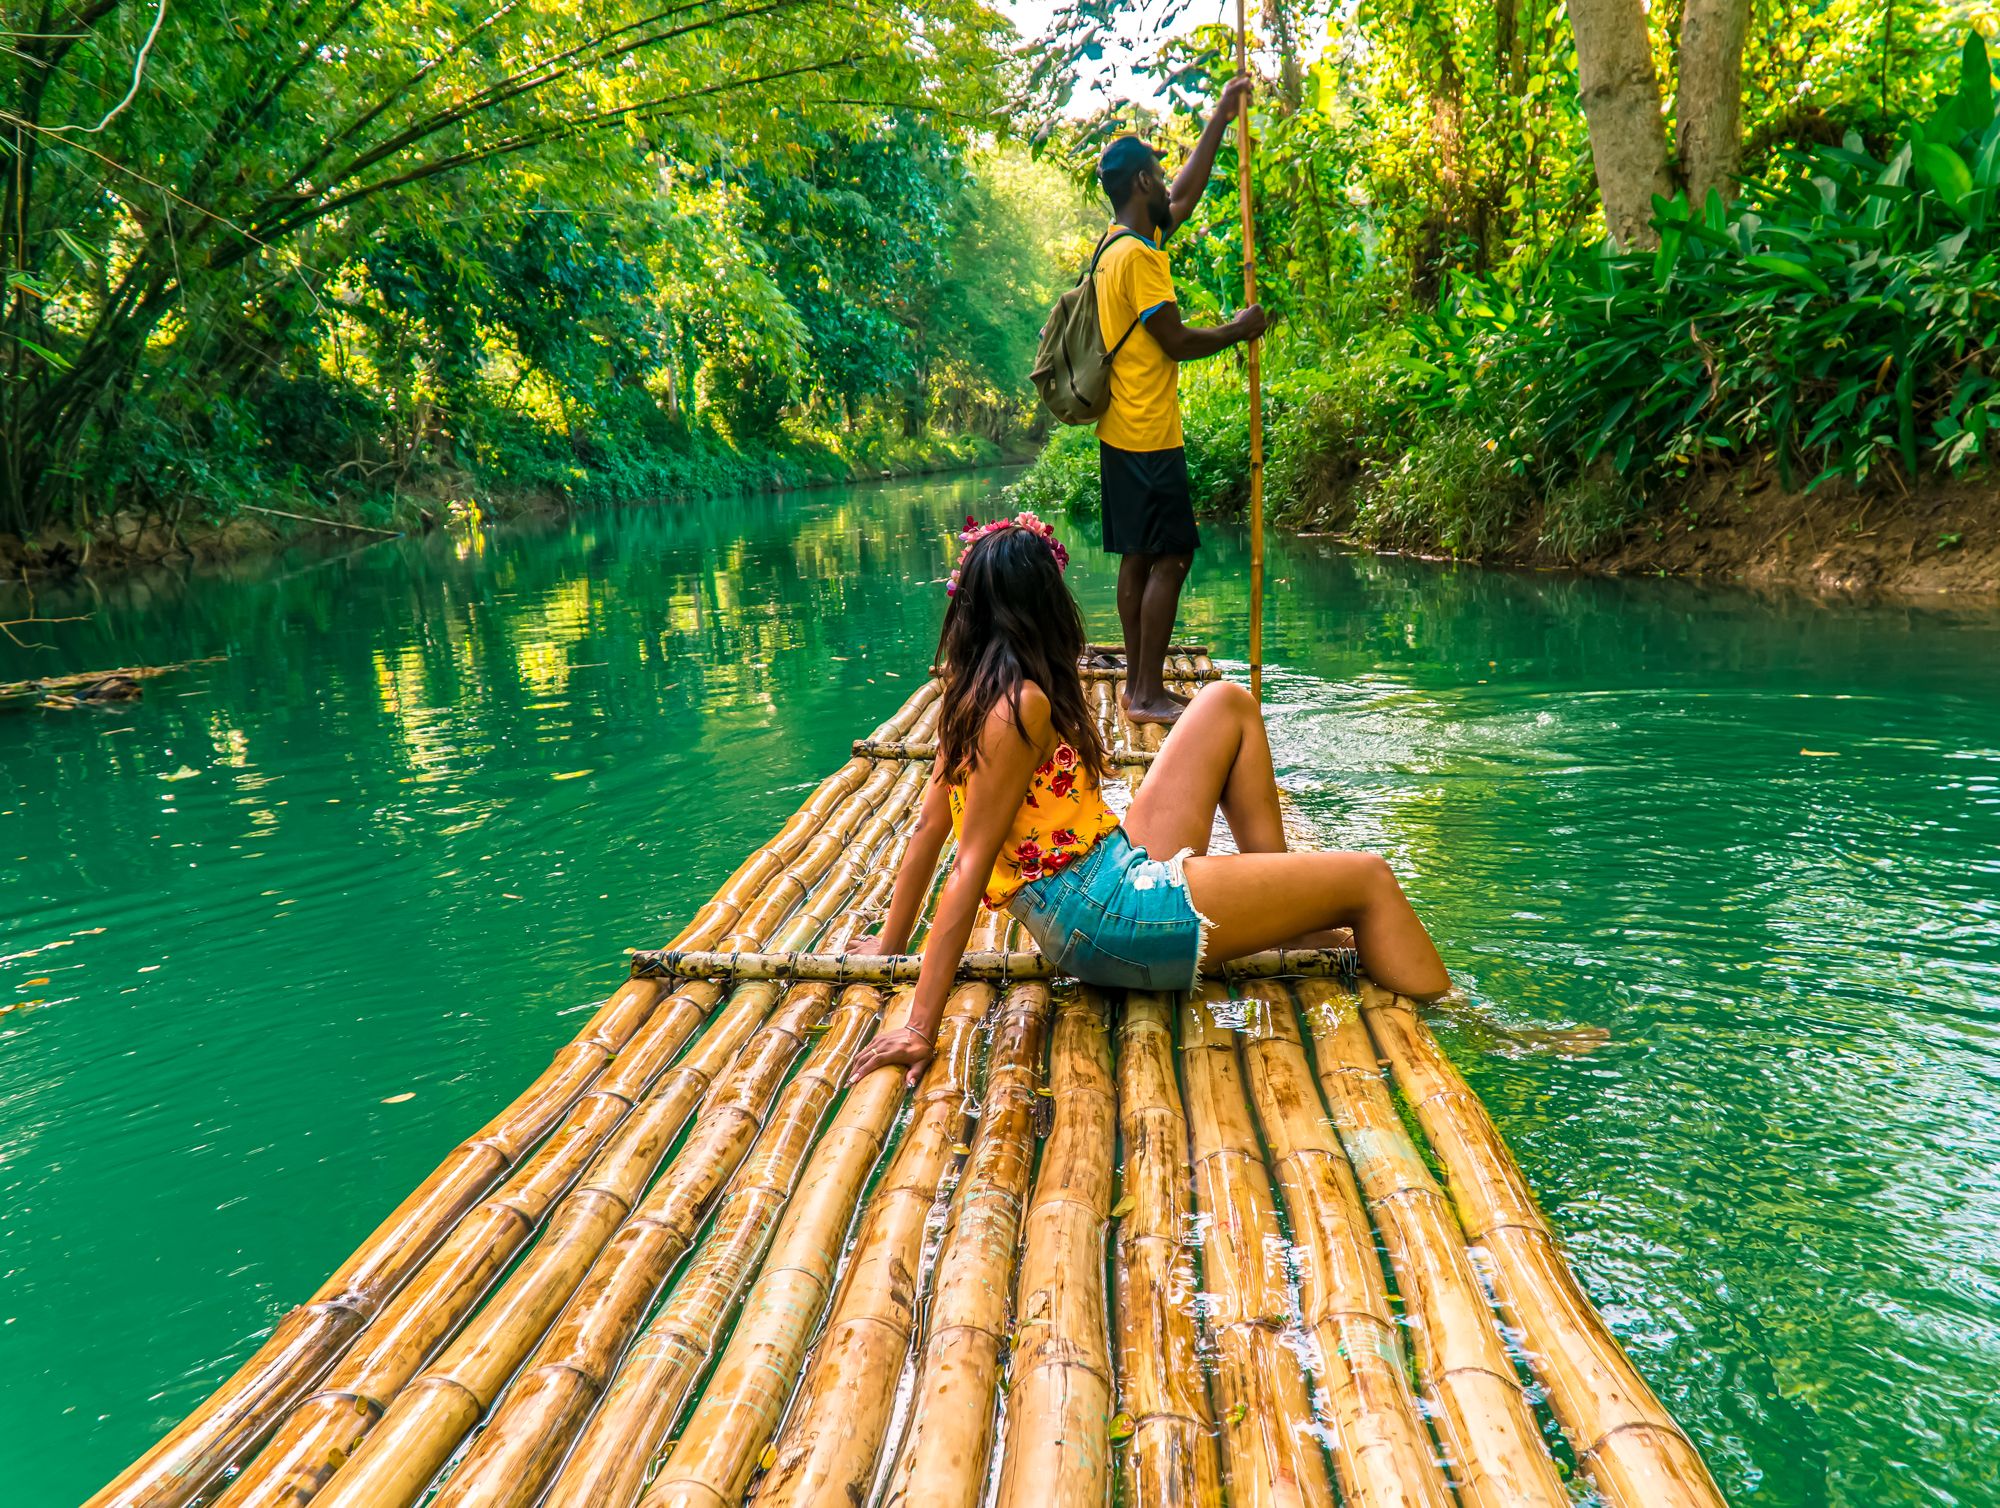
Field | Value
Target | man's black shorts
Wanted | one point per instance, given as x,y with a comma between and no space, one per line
1147,509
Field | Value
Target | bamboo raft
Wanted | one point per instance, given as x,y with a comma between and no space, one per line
1112,1249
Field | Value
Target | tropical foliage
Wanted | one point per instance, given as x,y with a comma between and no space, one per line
1463,357
339,249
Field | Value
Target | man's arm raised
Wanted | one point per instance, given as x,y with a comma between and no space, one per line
1192,180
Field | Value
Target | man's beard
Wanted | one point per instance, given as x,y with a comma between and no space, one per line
1162,209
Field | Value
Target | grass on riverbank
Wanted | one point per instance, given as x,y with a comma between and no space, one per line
245,508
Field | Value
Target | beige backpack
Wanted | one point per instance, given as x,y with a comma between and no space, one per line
1072,369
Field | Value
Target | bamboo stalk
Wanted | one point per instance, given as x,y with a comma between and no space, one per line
1057,1449
1382,1454
867,748
740,1410
1176,648
1247,206
943,1460
1260,1388
1626,1440
1170,1459
1114,673
521,1445
832,1437
980,964
1489,1430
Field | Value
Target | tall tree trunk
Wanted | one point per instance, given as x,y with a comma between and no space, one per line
1291,84
1708,102
1447,221
1621,102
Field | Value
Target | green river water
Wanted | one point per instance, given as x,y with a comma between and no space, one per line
285,932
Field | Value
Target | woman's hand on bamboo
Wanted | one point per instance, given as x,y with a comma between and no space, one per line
905,1047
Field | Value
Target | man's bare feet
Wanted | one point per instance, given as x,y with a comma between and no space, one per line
1165,710
1125,699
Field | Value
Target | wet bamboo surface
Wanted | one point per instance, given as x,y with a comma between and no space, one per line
1146,1250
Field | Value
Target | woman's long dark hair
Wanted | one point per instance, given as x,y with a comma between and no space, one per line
1011,620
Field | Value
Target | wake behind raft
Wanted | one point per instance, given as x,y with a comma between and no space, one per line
1150,1228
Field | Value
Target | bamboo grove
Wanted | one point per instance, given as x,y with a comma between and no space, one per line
356,252
1109,1249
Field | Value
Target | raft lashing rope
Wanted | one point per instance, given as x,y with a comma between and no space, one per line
635,1285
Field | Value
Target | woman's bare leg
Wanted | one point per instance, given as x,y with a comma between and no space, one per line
1217,755
1255,901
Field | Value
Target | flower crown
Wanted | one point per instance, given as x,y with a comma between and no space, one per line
974,531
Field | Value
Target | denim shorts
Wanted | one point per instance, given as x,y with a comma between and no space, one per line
1117,918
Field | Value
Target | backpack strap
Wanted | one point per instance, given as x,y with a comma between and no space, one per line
1108,240
1104,243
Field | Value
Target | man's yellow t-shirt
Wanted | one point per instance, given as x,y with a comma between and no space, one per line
1145,411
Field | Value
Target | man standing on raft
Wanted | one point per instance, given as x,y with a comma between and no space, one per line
1142,463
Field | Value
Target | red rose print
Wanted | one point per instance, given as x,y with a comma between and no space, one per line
1028,858
1062,783
1063,837
1065,756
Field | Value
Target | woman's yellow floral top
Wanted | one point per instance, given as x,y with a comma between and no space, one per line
1059,823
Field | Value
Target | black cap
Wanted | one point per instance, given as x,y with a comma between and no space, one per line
1124,160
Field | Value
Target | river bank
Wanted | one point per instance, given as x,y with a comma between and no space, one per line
131,541
1942,540
1452,498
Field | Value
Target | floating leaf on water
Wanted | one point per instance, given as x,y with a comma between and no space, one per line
185,772
397,1099
960,1148
1121,1426
769,1459
1122,1208
570,774
1820,753
1239,1413
1045,1092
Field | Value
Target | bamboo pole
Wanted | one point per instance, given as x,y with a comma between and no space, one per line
1260,1388
943,1459
1113,673
1058,1444
740,1410
1382,1454
832,1438
308,1340
1489,1430
903,749
521,1444
1247,205
1625,1439
983,965
1170,1459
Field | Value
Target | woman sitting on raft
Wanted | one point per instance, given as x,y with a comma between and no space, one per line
1019,762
